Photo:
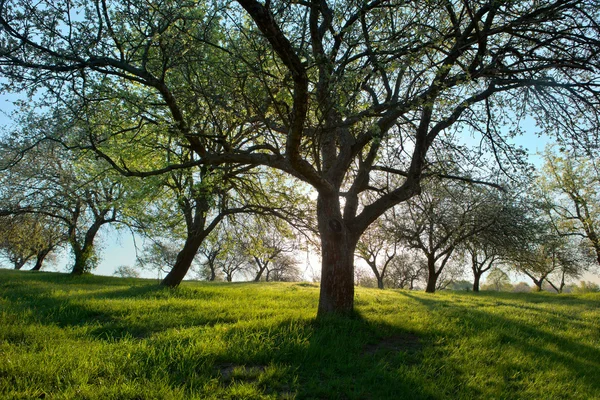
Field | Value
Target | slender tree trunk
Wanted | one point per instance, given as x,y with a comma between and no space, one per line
337,251
261,269
477,278
378,276
83,254
19,264
41,256
432,276
213,274
184,260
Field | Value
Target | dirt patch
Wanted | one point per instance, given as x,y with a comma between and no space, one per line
407,343
240,372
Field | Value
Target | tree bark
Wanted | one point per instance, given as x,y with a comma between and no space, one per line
477,278
41,256
82,256
432,276
337,255
184,260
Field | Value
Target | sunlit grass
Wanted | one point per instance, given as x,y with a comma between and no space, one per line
96,338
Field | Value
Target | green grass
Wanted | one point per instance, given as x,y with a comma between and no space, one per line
92,337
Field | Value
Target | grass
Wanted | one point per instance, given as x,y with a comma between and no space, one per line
95,337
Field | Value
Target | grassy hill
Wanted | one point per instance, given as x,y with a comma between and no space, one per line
96,337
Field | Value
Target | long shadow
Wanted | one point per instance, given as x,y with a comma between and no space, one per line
333,358
514,333
44,306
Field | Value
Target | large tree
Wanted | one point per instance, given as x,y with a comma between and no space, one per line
333,93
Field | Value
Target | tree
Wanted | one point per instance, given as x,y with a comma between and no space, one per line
374,246
545,255
440,220
72,191
498,279
405,270
511,225
267,242
334,94
571,187
126,271
16,244
158,256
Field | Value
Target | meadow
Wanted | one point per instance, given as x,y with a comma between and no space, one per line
92,337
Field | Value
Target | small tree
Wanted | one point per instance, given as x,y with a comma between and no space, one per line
126,271
497,279
406,270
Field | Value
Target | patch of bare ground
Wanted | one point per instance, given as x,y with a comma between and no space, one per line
407,343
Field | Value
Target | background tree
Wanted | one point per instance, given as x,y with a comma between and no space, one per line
334,94
406,270
18,243
570,185
378,249
158,256
497,279
510,225
71,190
126,271
440,220
267,242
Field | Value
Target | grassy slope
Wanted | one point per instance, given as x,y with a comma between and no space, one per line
98,337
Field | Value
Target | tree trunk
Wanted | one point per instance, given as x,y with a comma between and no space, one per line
213,274
477,278
337,255
184,260
432,276
41,256
82,256
19,264
261,268
378,276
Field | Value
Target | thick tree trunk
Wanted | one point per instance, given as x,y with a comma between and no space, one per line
477,278
184,260
380,282
213,274
337,252
432,276
82,257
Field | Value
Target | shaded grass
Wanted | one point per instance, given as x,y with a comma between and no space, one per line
96,337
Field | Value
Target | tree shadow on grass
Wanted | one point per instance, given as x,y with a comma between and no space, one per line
109,317
545,339
329,358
